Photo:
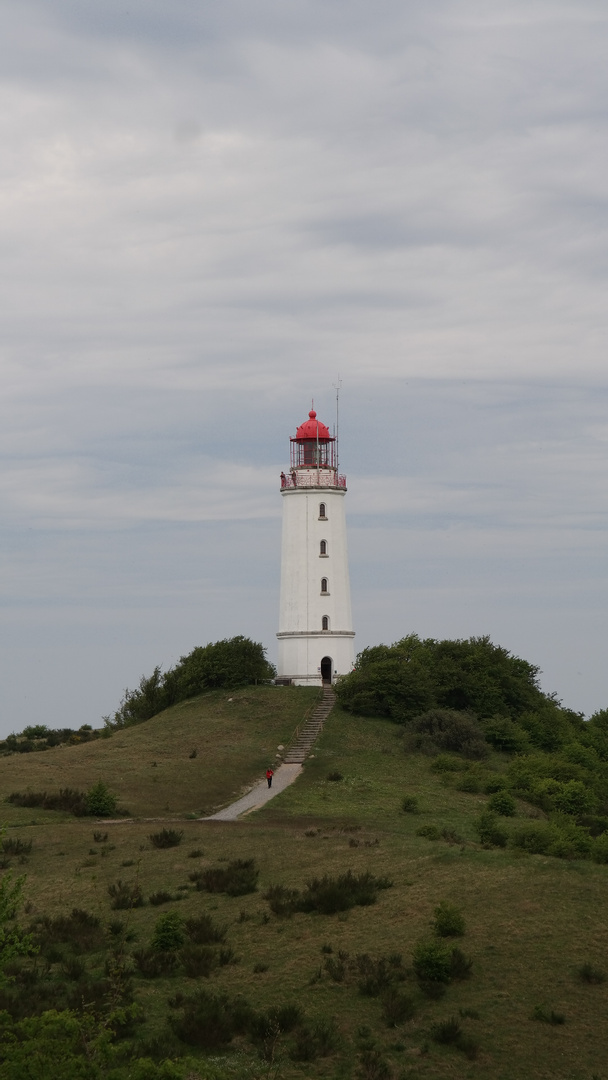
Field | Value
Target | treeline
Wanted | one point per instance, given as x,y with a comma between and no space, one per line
38,737
229,663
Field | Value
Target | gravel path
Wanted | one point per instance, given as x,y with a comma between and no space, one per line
260,794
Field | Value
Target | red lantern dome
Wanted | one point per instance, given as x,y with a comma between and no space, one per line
312,429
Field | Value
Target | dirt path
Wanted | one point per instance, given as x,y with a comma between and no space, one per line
260,794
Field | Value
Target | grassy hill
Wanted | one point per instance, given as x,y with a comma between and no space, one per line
532,922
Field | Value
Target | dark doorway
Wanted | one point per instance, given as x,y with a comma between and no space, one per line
326,669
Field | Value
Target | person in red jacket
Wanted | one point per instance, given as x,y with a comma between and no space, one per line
269,776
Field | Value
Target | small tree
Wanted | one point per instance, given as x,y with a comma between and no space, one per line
100,802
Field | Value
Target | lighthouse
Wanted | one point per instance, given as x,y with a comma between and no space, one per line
315,622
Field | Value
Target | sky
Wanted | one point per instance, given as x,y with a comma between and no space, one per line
212,213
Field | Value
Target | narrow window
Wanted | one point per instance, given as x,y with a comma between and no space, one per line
324,584
325,622
322,513
323,547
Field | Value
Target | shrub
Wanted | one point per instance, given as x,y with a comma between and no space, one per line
372,1066
99,801
547,1016
431,832
81,930
432,961
11,845
535,838
168,932
397,1007
375,975
331,894
590,974
449,920
335,968
460,965
490,831
469,783
210,1021
448,763
100,837
238,878
335,776
166,838
502,803
153,964
448,729
69,799
203,931
199,960
318,1040
447,1031
409,804
160,897
124,895
196,853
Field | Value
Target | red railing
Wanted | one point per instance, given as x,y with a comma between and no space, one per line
312,478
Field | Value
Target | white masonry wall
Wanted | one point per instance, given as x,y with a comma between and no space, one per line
302,641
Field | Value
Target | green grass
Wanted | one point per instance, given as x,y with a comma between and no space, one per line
531,921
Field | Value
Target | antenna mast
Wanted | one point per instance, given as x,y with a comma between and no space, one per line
337,387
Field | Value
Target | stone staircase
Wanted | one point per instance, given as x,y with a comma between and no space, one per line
310,730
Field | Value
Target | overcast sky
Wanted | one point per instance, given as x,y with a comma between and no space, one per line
210,211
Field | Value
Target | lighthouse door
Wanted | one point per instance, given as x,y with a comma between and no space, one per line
326,669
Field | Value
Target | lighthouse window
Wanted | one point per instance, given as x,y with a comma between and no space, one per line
322,513
324,588
323,547
325,622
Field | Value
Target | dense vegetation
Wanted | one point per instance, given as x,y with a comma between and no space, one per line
230,663
472,697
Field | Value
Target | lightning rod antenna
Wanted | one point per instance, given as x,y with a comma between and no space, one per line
337,387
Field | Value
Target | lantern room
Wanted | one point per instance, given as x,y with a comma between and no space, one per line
313,446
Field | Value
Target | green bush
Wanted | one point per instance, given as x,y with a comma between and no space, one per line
449,920
588,973
329,895
432,961
448,729
203,931
431,832
502,803
534,837
238,878
168,932
100,802
166,838
397,1007
409,804
124,896
469,783
446,1031
211,1021
315,1041
199,960
490,830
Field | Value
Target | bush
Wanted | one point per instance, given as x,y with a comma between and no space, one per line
449,920
160,897
431,832
547,1016
448,729
199,960
318,1040
124,896
490,831
432,962
80,929
69,799
168,932
535,838
99,801
502,803
590,974
211,1021
460,965
447,1031
448,763
469,783
153,964
203,931
166,838
372,1066
329,895
12,845
335,776
238,878
409,804
397,1007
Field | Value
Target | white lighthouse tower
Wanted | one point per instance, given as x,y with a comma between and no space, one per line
315,622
